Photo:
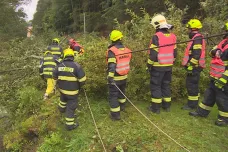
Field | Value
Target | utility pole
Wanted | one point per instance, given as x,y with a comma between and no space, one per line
84,23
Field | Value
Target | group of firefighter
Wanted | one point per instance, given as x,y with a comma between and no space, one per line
60,66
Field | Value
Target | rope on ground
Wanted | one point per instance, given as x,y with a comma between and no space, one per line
94,121
150,120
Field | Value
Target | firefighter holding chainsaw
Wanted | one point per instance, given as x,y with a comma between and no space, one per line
74,45
118,61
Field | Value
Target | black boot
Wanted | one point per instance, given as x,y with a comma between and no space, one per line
166,106
155,108
72,127
115,115
187,107
221,122
196,114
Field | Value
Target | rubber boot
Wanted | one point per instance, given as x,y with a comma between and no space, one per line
72,127
155,108
115,115
221,122
196,114
166,106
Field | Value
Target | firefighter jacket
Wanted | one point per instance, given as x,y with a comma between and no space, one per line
219,65
162,58
47,66
78,49
56,50
195,51
118,59
70,76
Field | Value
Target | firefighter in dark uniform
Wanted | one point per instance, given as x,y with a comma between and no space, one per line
46,68
194,62
70,78
118,59
217,92
56,49
160,64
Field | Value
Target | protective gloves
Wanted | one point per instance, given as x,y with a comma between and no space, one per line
111,80
190,70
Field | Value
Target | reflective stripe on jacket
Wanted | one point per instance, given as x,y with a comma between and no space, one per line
165,54
217,67
186,58
123,58
48,66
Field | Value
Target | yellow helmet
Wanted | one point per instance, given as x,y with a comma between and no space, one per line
194,24
115,35
56,40
226,26
68,52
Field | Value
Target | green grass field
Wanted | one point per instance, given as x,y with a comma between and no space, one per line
135,134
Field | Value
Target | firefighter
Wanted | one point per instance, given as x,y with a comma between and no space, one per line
47,66
160,64
194,62
118,59
78,49
70,78
217,92
56,49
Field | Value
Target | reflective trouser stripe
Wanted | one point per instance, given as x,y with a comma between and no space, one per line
167,99
155,100
62,104
223,114
203,106
193,97
115,109
69,121
120,77
68,92
122,100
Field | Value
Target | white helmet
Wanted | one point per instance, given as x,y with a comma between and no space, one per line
159,22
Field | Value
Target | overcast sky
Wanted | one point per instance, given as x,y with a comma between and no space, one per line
30,9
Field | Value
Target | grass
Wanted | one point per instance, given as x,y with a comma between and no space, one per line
135,134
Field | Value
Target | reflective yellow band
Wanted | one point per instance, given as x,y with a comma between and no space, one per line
112,60
225,73
62,103
150,62
154,47
225,63
69,119
55,49
158,64
67,78
48,58
49,63
223,114
48,69
56,53
69,123
68,92
115,109
223,80
66,69
167,99
82,79
111,74
194,61
122,100
197,46
62,106
193,98
120,77
155,100
203,106
47,73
